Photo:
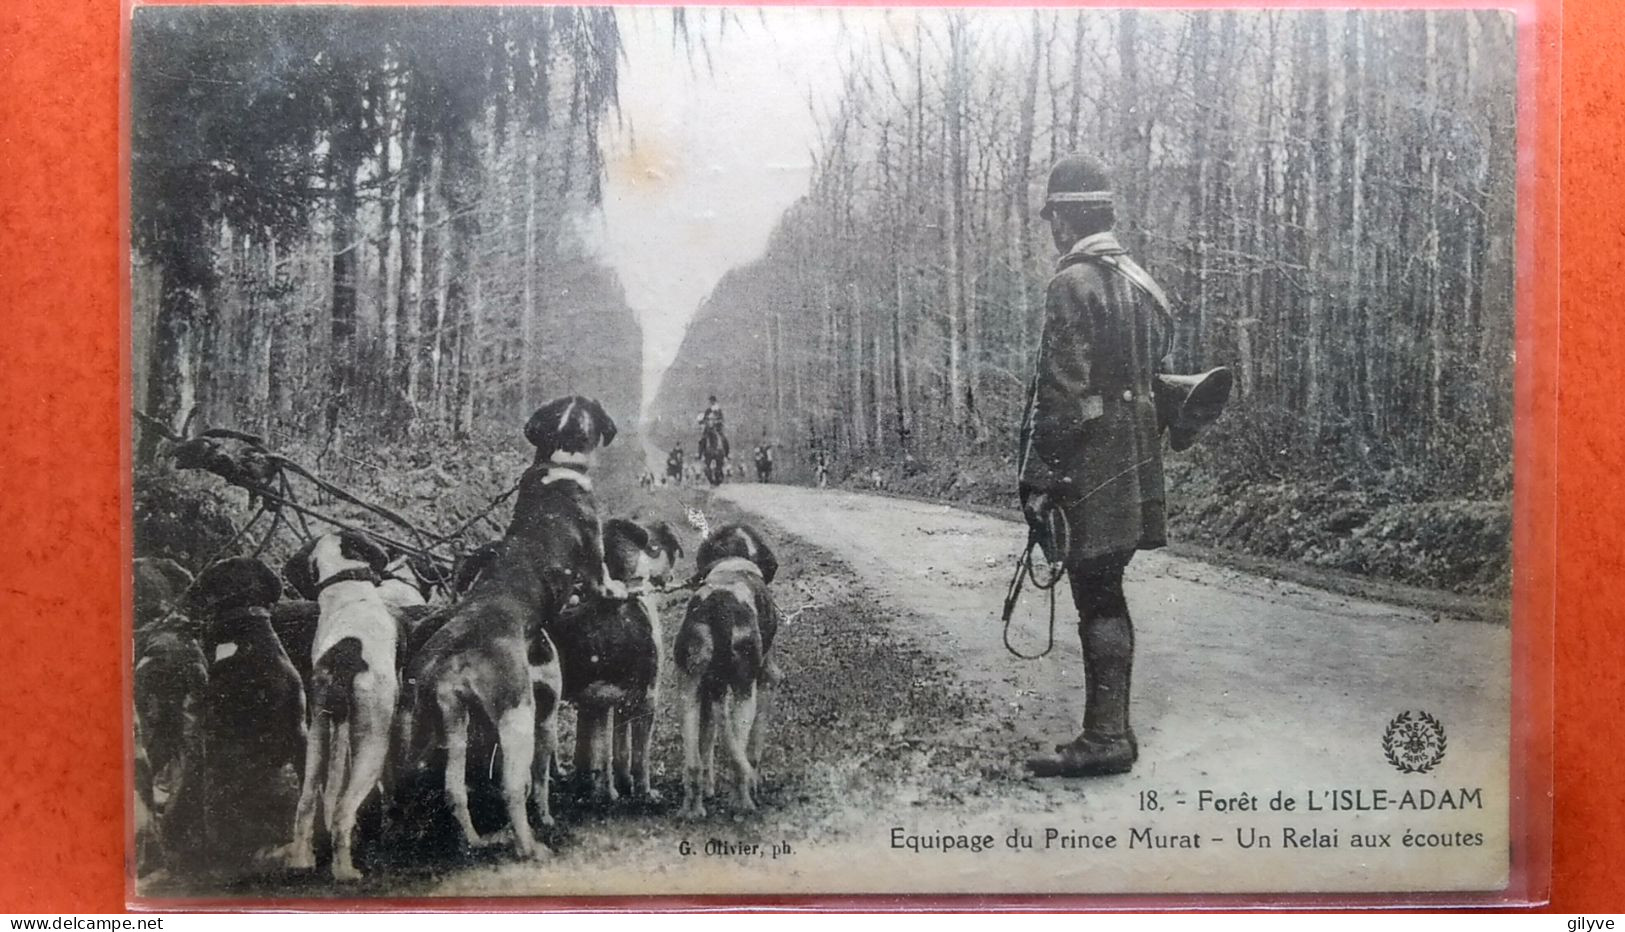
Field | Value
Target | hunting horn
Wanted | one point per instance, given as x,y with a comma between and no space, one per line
1188,404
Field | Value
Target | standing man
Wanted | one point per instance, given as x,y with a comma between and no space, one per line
763,454
711,418
674,465
1090,459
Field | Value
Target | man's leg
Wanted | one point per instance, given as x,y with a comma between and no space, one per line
1107,744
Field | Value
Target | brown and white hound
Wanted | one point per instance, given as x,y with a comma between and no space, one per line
722,663
493,656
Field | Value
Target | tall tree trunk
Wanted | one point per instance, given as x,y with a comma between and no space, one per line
1315,106
435,236
1021,243
528,363
342,324
403,365
462,186
1199,175
1354,169
172,362
1438,348
954,168
279,362
388,287
1080,31
1130,103
256,363
898,359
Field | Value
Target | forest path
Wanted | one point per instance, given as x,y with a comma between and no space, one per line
1241,683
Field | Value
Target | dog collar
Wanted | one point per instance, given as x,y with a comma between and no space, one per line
732,565
353,574
566,472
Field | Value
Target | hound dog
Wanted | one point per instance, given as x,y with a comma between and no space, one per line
160,583
353,688
722,663
611,658
405,584
252,719
633,552
168,679
493,655
170,676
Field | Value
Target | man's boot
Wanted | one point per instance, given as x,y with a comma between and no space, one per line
1107,744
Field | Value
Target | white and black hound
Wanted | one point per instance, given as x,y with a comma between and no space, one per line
354,685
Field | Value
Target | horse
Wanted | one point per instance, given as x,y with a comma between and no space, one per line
714,453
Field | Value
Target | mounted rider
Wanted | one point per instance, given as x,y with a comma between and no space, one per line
763,457
711,423
674,464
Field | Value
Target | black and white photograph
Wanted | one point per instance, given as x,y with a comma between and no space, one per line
787,451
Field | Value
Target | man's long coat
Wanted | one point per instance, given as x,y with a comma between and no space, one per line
1090,436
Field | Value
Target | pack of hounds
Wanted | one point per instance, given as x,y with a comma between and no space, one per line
378,673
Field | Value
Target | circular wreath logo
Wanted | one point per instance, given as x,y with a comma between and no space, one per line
1414,742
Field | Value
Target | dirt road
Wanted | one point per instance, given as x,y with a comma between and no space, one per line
1244,686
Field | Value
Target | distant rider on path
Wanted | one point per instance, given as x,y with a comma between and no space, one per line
711,420
763,455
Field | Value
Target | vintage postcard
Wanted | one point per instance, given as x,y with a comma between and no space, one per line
587,451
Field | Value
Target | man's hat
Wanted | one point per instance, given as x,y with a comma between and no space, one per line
1077,179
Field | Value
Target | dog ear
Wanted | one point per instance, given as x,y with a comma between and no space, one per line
668,539
765,559
709,553
208,589
298,572
235,582
356,545
539,430
602,422
472,565
262,585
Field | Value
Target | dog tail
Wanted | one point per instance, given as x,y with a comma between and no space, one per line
418,728
332,682
694,647
602,694
718,637
744,646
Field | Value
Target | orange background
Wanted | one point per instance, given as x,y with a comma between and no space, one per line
62,406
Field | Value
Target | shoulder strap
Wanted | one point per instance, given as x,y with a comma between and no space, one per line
1146,285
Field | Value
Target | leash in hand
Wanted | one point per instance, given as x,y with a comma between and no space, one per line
1059,532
